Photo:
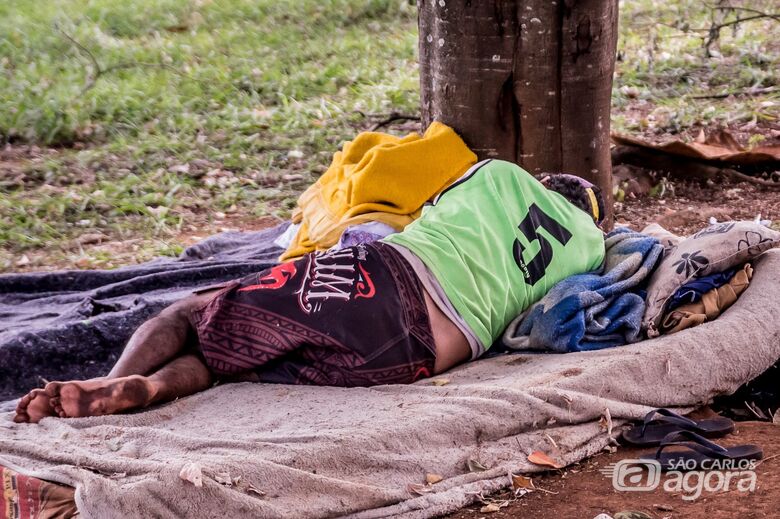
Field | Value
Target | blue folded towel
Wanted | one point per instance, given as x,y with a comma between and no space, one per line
592,311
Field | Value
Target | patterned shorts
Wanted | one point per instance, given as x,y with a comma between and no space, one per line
350,317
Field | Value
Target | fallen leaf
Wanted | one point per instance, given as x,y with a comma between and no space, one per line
519,481
520,492
605,422
90,238
416,488
475,466
631,514
489,508
440,381
432,479
180,168
255,490
540,458
223,478
193,473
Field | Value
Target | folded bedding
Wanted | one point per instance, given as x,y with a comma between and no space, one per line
709,305
595,310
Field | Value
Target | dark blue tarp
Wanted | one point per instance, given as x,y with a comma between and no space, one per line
73,324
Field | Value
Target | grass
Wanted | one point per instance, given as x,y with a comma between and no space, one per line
152,119
664,66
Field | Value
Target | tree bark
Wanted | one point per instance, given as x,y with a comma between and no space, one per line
529,81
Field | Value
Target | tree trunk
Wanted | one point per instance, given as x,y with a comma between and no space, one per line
528,81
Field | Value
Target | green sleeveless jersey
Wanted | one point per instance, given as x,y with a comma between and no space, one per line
497,240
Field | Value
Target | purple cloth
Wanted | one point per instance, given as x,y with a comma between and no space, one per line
368,232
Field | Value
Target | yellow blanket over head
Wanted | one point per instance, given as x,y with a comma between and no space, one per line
377,177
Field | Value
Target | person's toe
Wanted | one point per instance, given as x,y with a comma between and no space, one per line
21,415
56,404
23,403
53,388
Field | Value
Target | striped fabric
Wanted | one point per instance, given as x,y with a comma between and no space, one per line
25,497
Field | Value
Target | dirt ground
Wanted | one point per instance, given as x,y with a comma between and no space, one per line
582,491
693,203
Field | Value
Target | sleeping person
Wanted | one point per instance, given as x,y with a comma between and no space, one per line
407,307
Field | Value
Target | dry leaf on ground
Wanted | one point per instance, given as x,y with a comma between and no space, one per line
432,479
90,238
475,466
519,481
254,489
540,458
417,488
223,478
489,508
605,422
193,473
440,381
632,514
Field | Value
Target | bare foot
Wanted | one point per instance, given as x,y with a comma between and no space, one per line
99,397
33,406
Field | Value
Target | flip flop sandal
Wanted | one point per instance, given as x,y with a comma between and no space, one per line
661,422
702,454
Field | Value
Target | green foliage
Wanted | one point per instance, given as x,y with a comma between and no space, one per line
175,110
665,74
234,84
177,67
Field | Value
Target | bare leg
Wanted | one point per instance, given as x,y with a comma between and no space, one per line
159,339
181,377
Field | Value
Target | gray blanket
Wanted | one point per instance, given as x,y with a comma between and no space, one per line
73,324
310,452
